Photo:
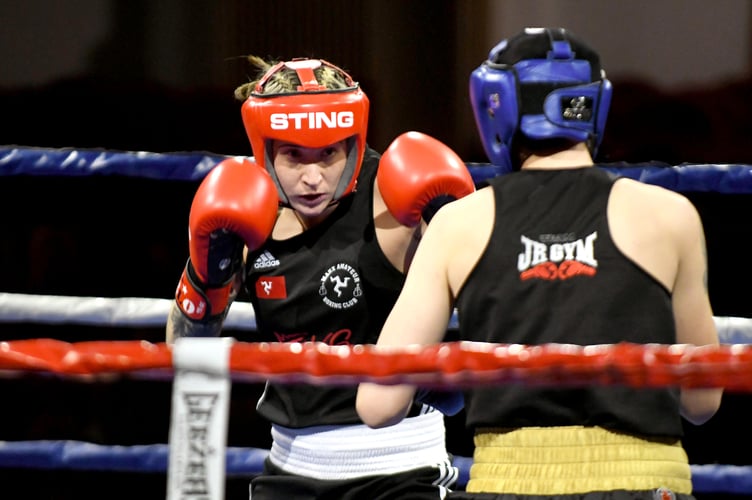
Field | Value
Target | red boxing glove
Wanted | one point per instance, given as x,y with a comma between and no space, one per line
235,205
418,175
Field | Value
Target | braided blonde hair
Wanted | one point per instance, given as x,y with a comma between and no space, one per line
286,80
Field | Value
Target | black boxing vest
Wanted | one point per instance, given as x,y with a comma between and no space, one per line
552,274
330,284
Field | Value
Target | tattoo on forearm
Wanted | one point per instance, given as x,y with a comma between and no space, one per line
180,326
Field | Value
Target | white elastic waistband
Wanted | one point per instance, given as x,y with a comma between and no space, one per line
350,451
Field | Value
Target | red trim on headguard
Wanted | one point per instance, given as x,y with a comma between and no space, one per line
312,117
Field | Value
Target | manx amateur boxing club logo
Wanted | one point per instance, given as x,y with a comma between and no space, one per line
339,286
557,257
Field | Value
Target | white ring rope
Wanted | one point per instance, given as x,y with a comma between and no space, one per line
151,312
101,311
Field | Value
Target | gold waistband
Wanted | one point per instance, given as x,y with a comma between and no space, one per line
570,460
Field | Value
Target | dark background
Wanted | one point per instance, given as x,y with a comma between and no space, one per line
122,237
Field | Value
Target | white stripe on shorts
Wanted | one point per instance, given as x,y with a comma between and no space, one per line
349,451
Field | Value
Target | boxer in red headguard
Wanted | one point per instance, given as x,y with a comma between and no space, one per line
320,229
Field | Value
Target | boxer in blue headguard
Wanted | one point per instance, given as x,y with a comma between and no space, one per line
559,252
541,87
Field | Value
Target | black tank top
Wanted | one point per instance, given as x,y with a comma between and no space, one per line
552,274
330,284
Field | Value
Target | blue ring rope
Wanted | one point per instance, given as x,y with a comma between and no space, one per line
246,462
193,166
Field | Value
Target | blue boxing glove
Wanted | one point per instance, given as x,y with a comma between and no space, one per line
447,402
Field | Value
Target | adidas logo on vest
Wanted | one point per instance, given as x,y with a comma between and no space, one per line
265,261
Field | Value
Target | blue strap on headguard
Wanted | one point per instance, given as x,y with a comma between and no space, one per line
543,83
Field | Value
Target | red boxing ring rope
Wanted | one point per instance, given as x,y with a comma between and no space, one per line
452,364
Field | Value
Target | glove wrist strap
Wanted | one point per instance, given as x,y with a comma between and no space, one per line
200,303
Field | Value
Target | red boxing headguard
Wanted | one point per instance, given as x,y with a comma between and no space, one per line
314,116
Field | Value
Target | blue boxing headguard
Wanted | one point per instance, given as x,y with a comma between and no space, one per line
543,83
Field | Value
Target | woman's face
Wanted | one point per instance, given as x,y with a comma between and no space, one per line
309,176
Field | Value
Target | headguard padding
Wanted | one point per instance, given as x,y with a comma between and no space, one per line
314,117
543,83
